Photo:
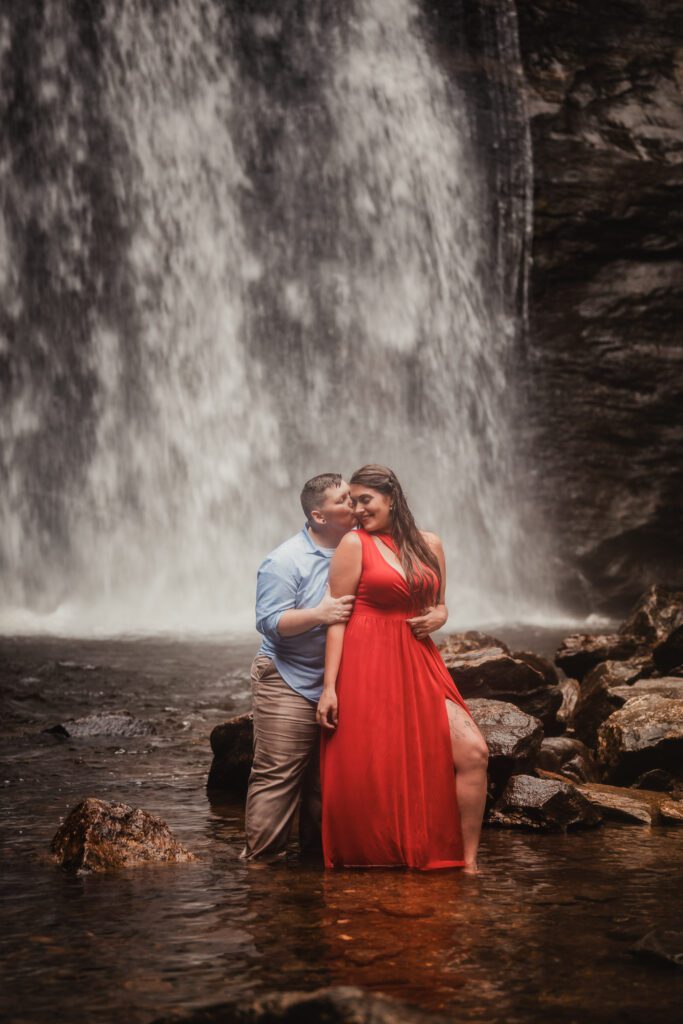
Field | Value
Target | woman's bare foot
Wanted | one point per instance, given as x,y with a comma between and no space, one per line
471,868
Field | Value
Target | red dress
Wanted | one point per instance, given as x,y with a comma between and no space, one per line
387,771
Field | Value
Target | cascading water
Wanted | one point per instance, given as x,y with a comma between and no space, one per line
243,244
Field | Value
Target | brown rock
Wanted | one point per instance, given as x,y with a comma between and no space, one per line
513,738
656,615
569,757
619,803
671,811
472,640
232,745
581,652
540,664
104,723
668,656
646,733
602,692
570,690
546,804
97,836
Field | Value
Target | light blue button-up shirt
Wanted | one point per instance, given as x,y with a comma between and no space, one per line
294,576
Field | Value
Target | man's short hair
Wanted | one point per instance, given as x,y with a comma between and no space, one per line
314,490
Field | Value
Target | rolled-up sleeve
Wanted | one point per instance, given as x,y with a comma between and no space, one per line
275,593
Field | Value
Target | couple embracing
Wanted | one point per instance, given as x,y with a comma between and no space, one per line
357,721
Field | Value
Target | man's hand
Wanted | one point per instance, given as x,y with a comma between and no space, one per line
335,609
431,619
327,714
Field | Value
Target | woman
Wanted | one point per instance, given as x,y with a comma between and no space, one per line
394,723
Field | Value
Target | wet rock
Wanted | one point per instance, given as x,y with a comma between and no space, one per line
98,836
669,686
104,723
660,946
568,756
570,690
619,803
646,733
471,640
513,738
672,811
657,614
602,692
668,656
656,781
540,664
580,652
546,804
492,672
342,1004
232,746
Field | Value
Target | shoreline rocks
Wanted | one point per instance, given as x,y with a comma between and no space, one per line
543,804
121,724
99,836
232,744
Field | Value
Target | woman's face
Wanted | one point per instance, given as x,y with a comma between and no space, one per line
373,509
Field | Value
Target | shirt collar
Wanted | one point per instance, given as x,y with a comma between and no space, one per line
325,552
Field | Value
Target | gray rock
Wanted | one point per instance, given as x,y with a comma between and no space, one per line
546,804
232,745
568,756
104,723
646,733
342,1004
98,836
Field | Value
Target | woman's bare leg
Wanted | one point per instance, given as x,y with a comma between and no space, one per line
470,758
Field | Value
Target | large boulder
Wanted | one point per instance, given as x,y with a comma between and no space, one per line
581,652
633,806
646,733
232,744
343,1004
513,738
568,756
120,724
493,672
547,804
656,615
98,836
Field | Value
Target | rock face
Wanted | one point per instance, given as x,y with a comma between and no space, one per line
604,97
513,738
581,652
342,1004
232,746
106,723
98,836
646,733
656,615
602,692
545,804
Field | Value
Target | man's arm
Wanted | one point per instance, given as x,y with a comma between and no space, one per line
276,616
330,611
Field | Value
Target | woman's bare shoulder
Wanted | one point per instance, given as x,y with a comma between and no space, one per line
349,542
432,539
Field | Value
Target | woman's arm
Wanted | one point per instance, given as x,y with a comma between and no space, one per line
345,571
435,617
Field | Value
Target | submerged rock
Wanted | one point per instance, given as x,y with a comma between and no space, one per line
580,652
547,804
232,745
568,756
646,733
664,947
98,836
343,1004
104,723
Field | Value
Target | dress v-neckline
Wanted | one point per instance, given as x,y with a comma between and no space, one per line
398,571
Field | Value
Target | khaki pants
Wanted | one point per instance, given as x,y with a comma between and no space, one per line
286,766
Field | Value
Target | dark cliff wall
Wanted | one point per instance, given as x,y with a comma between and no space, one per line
604,94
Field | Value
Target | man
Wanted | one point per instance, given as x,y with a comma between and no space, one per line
293,611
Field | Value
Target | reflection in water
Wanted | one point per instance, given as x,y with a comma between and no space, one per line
542,934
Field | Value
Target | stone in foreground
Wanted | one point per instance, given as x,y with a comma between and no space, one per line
98,836
343,1004
120,724
646,733
513,738
543,804
232,745
634,806
568,756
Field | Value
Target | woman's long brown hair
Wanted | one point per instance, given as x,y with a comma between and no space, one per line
413,550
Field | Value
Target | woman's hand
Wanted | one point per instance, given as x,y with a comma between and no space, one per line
432,618
327,714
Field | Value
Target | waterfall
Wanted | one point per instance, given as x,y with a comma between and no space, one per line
241,245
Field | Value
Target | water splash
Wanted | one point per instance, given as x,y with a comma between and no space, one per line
258,249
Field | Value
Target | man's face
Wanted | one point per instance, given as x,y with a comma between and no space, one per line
337,508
